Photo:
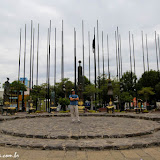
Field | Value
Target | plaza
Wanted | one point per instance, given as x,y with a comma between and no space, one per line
53,136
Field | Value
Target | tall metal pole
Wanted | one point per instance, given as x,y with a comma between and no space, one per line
134,70
19,57
98,49
47,72
120,53
37,55
98,61
49,50
55,61
103,57
147,52
156,51
23,106
62,63
37,64
103,102
133,54
116,54
94,51
89,56
143,52
108,56
83,49
130,52
30,61
19,69
75,60
33,59
159,48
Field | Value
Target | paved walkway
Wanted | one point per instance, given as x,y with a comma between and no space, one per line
100,131
134,154
100,136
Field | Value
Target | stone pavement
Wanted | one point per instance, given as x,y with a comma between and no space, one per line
98,131
91,127
134,154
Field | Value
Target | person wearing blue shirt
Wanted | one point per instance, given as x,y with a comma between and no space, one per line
74,106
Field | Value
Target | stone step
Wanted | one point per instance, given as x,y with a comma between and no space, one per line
91,127
81,144
87,136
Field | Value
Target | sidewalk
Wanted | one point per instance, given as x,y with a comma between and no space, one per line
134,154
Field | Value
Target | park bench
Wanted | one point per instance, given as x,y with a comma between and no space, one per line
53,109
139,110
30,104
10,110
81,109
31,110
110,109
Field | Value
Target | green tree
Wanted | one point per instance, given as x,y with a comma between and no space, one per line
18,86
116,89
90,91
63,89
157,89
64,101
128,82
126,97
149,79
146,92
38,92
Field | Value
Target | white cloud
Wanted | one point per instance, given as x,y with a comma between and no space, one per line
127,14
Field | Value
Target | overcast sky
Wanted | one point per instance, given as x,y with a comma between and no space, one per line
128,15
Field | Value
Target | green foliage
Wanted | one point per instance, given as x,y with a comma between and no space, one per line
90,90
126,97
148,86
128,81
64,101
86,81
157,90
149,79
18,86
39,92
59,90
146,92
92,111
64,111
116,89
145,111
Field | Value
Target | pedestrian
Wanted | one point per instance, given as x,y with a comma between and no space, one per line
74,106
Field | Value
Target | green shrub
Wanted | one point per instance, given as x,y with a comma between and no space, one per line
64,101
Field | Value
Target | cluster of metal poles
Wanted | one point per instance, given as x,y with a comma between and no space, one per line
118,55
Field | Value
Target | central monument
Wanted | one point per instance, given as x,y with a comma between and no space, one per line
110,107
80,88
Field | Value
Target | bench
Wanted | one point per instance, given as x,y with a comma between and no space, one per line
110,109
81,109
31,110
11,110
53,109
139,110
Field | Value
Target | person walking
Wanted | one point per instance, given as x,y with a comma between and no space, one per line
74,106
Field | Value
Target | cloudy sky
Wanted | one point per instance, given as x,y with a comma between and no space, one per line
128,15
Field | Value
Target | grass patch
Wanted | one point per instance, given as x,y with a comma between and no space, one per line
64,111
92,111
145,111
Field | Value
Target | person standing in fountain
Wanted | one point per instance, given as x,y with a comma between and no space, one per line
74,106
